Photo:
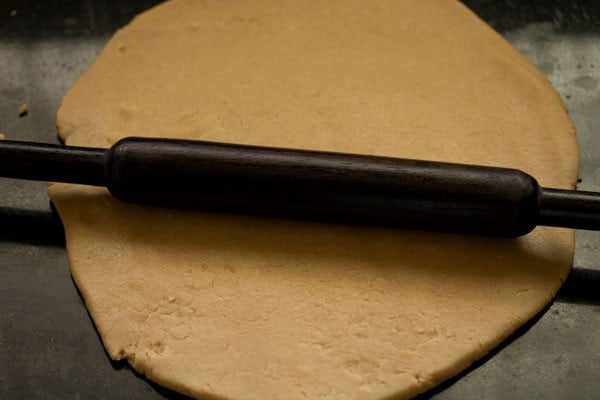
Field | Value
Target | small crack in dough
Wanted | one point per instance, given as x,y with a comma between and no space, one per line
235,307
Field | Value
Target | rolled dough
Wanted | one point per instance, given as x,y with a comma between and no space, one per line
249,308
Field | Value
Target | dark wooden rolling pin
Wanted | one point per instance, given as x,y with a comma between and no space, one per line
309,184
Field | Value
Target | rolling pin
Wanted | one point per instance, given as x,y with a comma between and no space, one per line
329,186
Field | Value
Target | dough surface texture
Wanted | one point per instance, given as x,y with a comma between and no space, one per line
238,307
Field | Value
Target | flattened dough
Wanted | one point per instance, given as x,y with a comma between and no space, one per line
251,308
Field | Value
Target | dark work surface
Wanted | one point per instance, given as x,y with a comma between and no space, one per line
49,348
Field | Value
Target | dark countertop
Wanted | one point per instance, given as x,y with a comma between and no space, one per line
49,347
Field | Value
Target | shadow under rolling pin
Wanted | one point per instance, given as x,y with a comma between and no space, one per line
335,187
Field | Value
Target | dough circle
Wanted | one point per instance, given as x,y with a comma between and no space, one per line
250,308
